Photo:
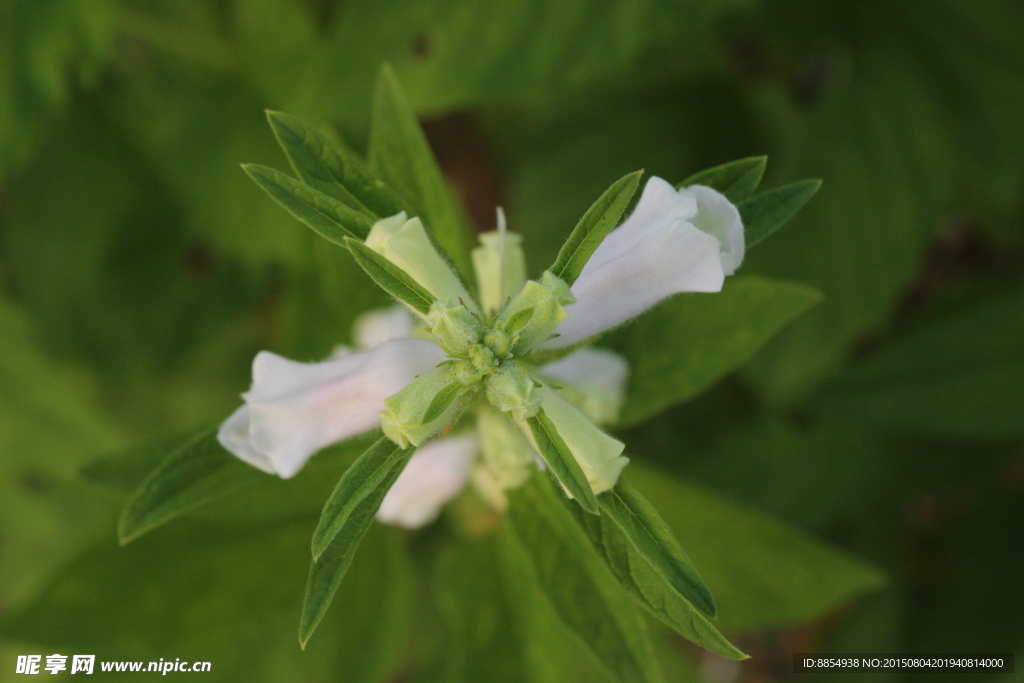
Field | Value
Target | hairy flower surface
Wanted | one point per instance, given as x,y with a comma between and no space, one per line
462,382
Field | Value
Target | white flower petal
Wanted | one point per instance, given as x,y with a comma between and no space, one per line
295,409
658,251
720,218
598,376
373,328
234,436
655,262
434,475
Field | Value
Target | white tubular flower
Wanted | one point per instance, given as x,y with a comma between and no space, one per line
373,328
405,243
656,252
595,380
295,409
435,474
719,217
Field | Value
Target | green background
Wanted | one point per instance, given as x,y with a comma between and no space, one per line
140,271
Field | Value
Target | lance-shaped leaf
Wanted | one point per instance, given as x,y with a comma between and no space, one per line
766,212
597,222
400,155
684,346
326,572
644,556
737,180
197,472
125,470
331,219
562,462
499,626
334,170
652,538
577,583
390,277
765,574
359,481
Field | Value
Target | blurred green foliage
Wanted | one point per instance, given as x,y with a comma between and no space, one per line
141,270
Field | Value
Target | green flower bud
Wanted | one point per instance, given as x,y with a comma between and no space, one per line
506,452
425,406
488,487
498,342
511,390
487,262
454,327
405,243
599,455
479,365
532,316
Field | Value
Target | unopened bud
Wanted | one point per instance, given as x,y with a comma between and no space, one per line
599,455
511,390
487,261
454,327
532,316
405,243
427,405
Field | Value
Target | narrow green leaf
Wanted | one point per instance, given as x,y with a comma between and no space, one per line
333,169
737,180
359,481
390,277
442,400
326,573
519,320
497,625
577,583
401,156
561,461
125,470
595,225
765,574
648,586
652,538
766,212
197,472
331,219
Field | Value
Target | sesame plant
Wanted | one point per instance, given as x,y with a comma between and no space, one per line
440,381
487,392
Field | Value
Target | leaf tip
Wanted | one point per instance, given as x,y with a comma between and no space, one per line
126,532
589,504
317,546
387,70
